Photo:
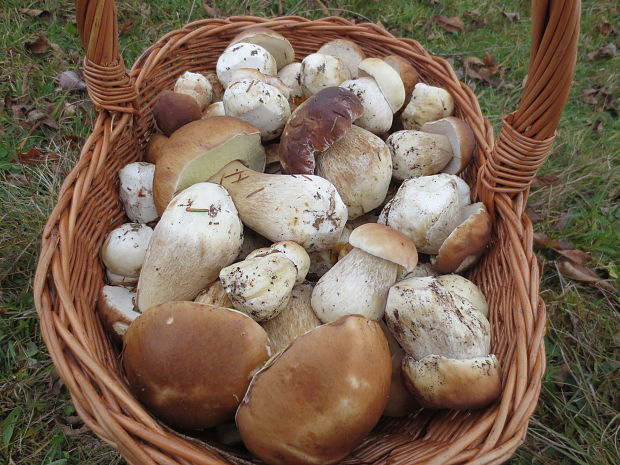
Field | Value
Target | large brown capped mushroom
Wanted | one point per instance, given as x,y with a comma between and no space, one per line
173,110
315,125
190,364
315,402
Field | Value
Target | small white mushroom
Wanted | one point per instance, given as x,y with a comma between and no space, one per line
195,85
427,209
377,116
360,166
123,251
427,318
291,250
443,382
215,109
116,306
244,55
198,234
120,280
274,42
348,51
136,191
260,286
290,75
259,104
416,153
461,139
359,283
388,80
319,71
428,103
305,209
295,319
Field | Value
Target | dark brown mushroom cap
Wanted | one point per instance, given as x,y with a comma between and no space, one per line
315,125
190,364
173,110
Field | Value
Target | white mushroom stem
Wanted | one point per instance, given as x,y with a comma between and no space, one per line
291,250
377,116
260,286
428,103
305,209
120,280
319,71
416,153
357,284
116,307
197,86
136,191
290,76
124,250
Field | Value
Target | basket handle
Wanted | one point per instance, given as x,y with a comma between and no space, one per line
527,134
108,84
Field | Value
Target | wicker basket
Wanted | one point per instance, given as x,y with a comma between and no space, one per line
69,273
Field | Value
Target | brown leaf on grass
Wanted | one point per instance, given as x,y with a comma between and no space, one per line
475,20
322,7
35,156
608,51
601,99
541,240
210,10
34,13
470,61
124,28
581,273
576,256
70,80
453,24
511,15
39,46
533,214
21,111
545,181
605,27
561,223
489,59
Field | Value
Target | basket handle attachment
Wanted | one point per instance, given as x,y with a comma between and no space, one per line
527,134
108,84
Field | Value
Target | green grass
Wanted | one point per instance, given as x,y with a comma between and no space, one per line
577,419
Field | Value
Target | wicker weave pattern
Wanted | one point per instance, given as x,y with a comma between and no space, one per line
70,274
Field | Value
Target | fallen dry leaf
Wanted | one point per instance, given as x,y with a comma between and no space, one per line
475,19
608,51
469,61
605,27
36,156
210,10
576,256
534,215
541,240
545,181
489,59
453,24
34,13
39,46
511,16
561,223
70,80
601,99
581,273
124,28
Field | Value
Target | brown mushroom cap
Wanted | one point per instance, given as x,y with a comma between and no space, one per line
190,364
407,73
315,125
154,147
461,138
315,402
440,382
386,243
401,402
200,149
466,243
172,110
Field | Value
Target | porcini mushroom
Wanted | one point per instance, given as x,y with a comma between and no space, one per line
195,85
427,209
274,42
123,252
347,51
259,104
427,318
359,165
304,209
172,111
377,116
136,191
314,126
190,364
388,80
461,139
442,382
116,306
407,73
319,71
250,73
462,248
244,55
120,280
416,153
154,147
261,286
199,150
214,294
465,289
291,250
198,234
401,402
290,75
295,319
359,283
345,365
215,109
427,103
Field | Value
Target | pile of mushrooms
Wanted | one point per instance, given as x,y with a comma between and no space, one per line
282,216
